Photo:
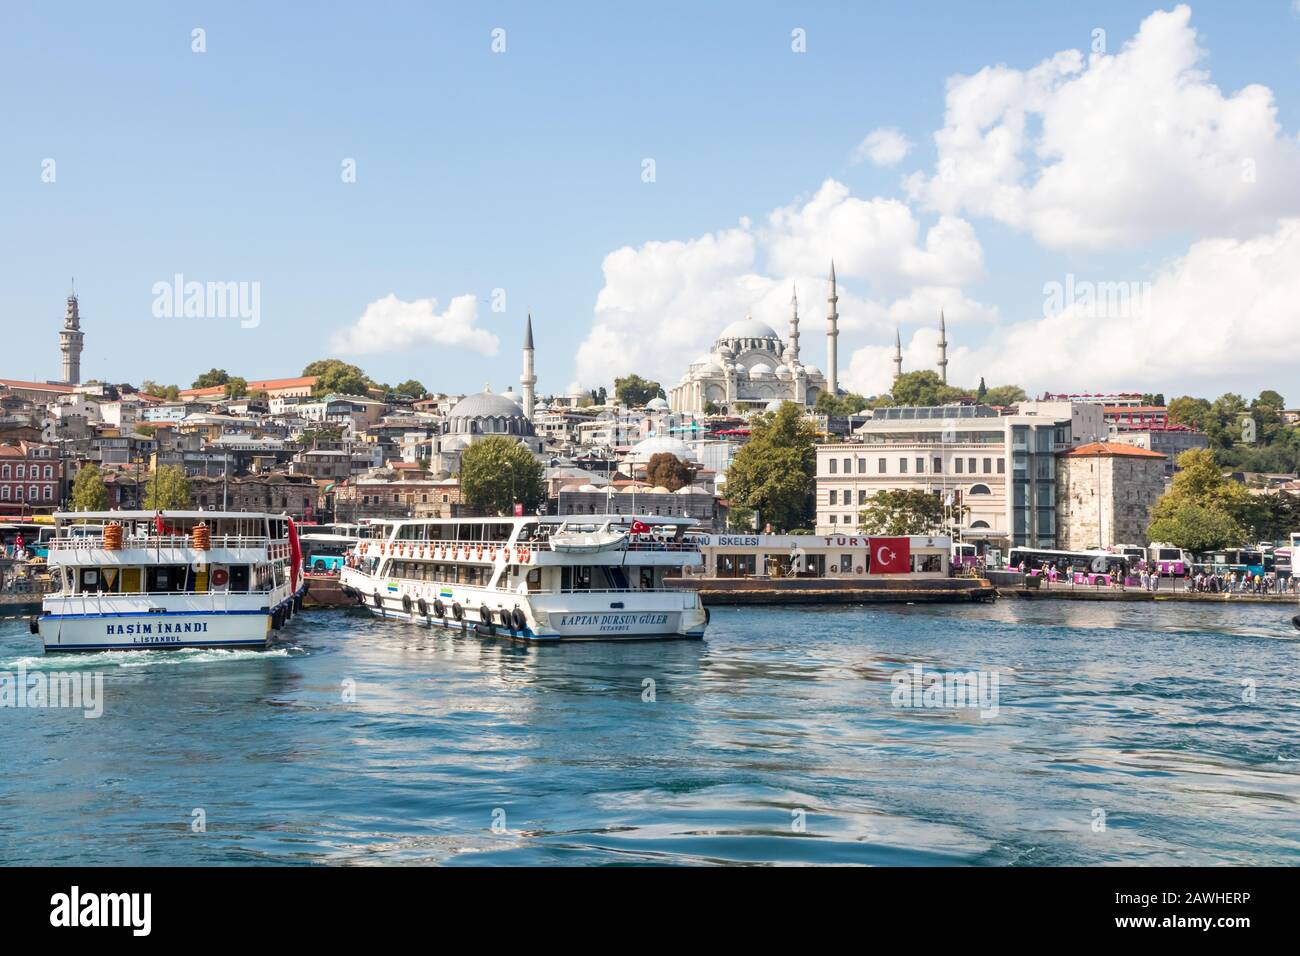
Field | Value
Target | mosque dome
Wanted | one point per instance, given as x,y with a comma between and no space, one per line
761,370
748,328
643,450
657,404
488,414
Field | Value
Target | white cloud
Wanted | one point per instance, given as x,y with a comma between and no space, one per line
1116,149
663,303
1222,313
391,325
884,147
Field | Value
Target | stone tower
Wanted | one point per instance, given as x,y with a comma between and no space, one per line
528,379
898,355
70,340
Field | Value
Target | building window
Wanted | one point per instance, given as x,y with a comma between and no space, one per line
18,472
49,471
938,466
862,466
832,519
920,466
988,465
957,464
833,498
4,471
49,492
848,466
902,466
971,463
880,467
1002,466
834,465
862,496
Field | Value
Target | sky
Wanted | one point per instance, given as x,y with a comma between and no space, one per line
1098,199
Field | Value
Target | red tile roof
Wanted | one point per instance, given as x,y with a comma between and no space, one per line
1110,448
43,386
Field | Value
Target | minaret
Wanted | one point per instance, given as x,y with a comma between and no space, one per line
832,333
528,379
898,355
70,339
943,349
794,325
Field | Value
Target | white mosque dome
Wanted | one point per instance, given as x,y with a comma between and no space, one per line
657,404
588,488
783,371
660,490
760,370
485,405
748,328
656,444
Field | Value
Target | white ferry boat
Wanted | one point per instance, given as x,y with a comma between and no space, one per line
576,577
174,579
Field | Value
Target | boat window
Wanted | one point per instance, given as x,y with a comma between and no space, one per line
239,577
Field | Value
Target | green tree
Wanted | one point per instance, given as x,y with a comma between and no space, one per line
665,468
839,406
634,390
236,387
924,387
169,392
89,492
773,473
411,389
496,472
1004,395
1189,411
981,393
210,378
1202,510
712,408
168,489
335,376
908,511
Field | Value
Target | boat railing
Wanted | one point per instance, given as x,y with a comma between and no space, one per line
449,548
78,543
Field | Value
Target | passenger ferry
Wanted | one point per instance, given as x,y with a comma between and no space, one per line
174,579
579,577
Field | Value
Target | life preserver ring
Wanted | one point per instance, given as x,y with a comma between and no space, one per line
492,555
478,554
457,611
859,569
423,605
439,608
220,578
517,620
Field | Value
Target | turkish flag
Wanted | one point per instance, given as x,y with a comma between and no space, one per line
890,556
640,527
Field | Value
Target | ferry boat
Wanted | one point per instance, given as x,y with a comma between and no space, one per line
541,579
173,579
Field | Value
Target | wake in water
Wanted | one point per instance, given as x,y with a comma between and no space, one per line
141,658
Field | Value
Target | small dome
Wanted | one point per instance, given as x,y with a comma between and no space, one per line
588,488
689,490
660,490
657,404
643,450
761,370
783,372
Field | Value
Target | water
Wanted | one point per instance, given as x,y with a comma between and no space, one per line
780,715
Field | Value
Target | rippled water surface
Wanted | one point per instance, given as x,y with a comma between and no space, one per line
1122,736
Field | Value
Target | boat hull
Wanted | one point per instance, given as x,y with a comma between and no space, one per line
151,630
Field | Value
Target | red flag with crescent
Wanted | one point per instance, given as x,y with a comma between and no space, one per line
890,556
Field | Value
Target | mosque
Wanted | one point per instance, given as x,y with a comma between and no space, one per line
751,369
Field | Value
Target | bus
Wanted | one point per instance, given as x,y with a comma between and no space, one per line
1242,561
1079,567
325,553
35,536
1167,560
963,556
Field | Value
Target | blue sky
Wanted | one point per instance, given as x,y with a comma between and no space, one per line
522,171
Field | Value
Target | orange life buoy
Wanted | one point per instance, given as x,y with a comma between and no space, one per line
220,577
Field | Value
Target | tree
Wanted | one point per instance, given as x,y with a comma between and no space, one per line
982,392
924,387
1004,395
841,406
496,472
774,472
1202,510
236,387
712,408
410,389
89,492
169,392
212,377
168,489
599,396
1189,411
908,511
1197,528
335,376
634,390
665,468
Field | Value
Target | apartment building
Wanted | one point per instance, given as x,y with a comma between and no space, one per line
1000,468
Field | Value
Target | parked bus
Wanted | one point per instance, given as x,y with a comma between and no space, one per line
324,553
1079,567
1165,559
34,535
1242,561
963,556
